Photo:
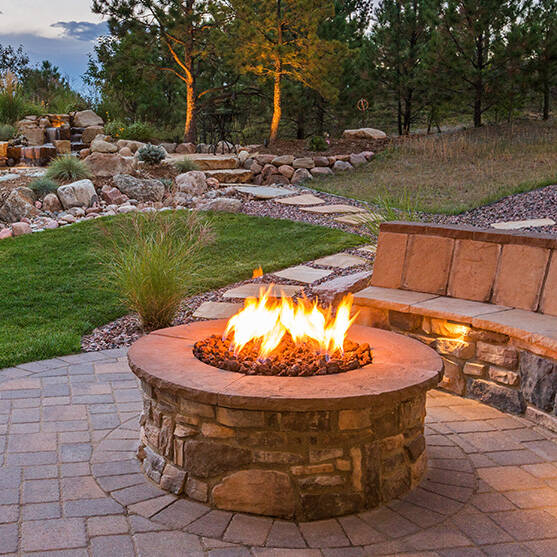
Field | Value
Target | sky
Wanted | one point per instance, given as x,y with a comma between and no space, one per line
62,31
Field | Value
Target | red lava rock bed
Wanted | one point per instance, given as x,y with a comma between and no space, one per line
288,359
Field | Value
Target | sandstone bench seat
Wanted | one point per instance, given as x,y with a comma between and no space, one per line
537,331
485,300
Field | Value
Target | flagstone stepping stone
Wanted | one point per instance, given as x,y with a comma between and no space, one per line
304,199
332,291
341,260
370,248
303,273
251,290
332,209
6,177
517,224
264,192
217,310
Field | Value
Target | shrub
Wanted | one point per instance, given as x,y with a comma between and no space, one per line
317,143
15,107
186,165
140,131
6,132
43,185
150,260
151,154
67,169
115,128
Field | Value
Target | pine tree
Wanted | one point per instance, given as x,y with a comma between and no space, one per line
183,27
278,39
402,38
474,48
542,27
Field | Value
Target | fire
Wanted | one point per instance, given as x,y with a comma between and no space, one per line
267,320
257,272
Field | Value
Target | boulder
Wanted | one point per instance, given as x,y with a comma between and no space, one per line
357,159
321,171
5,233
169,147
243,156
125,152
286,170
18,205
255,167
101,146
342,166
303,162
63,146
192,182
301,175
90,133
78,194
108,164
368,154
185,148
21,228
283,159
35,136
86,118
269,169
113,196
276,179
84,153
264,159
140,189
51,203
321,161
223,204
212,183
364,133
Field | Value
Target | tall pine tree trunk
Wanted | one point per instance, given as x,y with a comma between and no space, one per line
277,103
189,128
546,97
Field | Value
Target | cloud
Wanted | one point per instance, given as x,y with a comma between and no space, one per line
81,30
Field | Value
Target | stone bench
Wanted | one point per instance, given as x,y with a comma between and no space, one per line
486,301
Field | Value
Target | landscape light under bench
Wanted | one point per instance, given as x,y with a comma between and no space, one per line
287,410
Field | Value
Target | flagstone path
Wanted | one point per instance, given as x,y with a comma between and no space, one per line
70,484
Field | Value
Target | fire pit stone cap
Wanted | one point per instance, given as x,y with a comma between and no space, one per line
402,368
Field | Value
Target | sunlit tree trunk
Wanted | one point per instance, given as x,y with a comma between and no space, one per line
277,102
189,128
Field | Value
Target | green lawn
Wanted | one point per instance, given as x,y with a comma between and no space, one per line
454,172
52,290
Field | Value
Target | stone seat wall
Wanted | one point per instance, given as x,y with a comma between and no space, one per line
486,301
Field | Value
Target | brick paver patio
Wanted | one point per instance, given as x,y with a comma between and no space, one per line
70,484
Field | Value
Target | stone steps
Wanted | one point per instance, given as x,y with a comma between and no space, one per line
230,175
214,162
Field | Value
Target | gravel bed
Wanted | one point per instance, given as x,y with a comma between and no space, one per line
534,204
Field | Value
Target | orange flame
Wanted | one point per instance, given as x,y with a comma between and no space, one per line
257,272
268,320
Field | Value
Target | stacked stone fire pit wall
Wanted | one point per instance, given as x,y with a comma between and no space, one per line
281,454
499,344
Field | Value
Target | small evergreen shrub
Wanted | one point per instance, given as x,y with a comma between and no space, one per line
186,165
7,132
43,185
67,168
317,143
150,260
151,154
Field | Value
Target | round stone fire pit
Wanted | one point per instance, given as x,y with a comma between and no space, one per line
293,447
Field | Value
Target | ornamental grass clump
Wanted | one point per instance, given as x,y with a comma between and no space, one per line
150,261
67,169
186,165
43,185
